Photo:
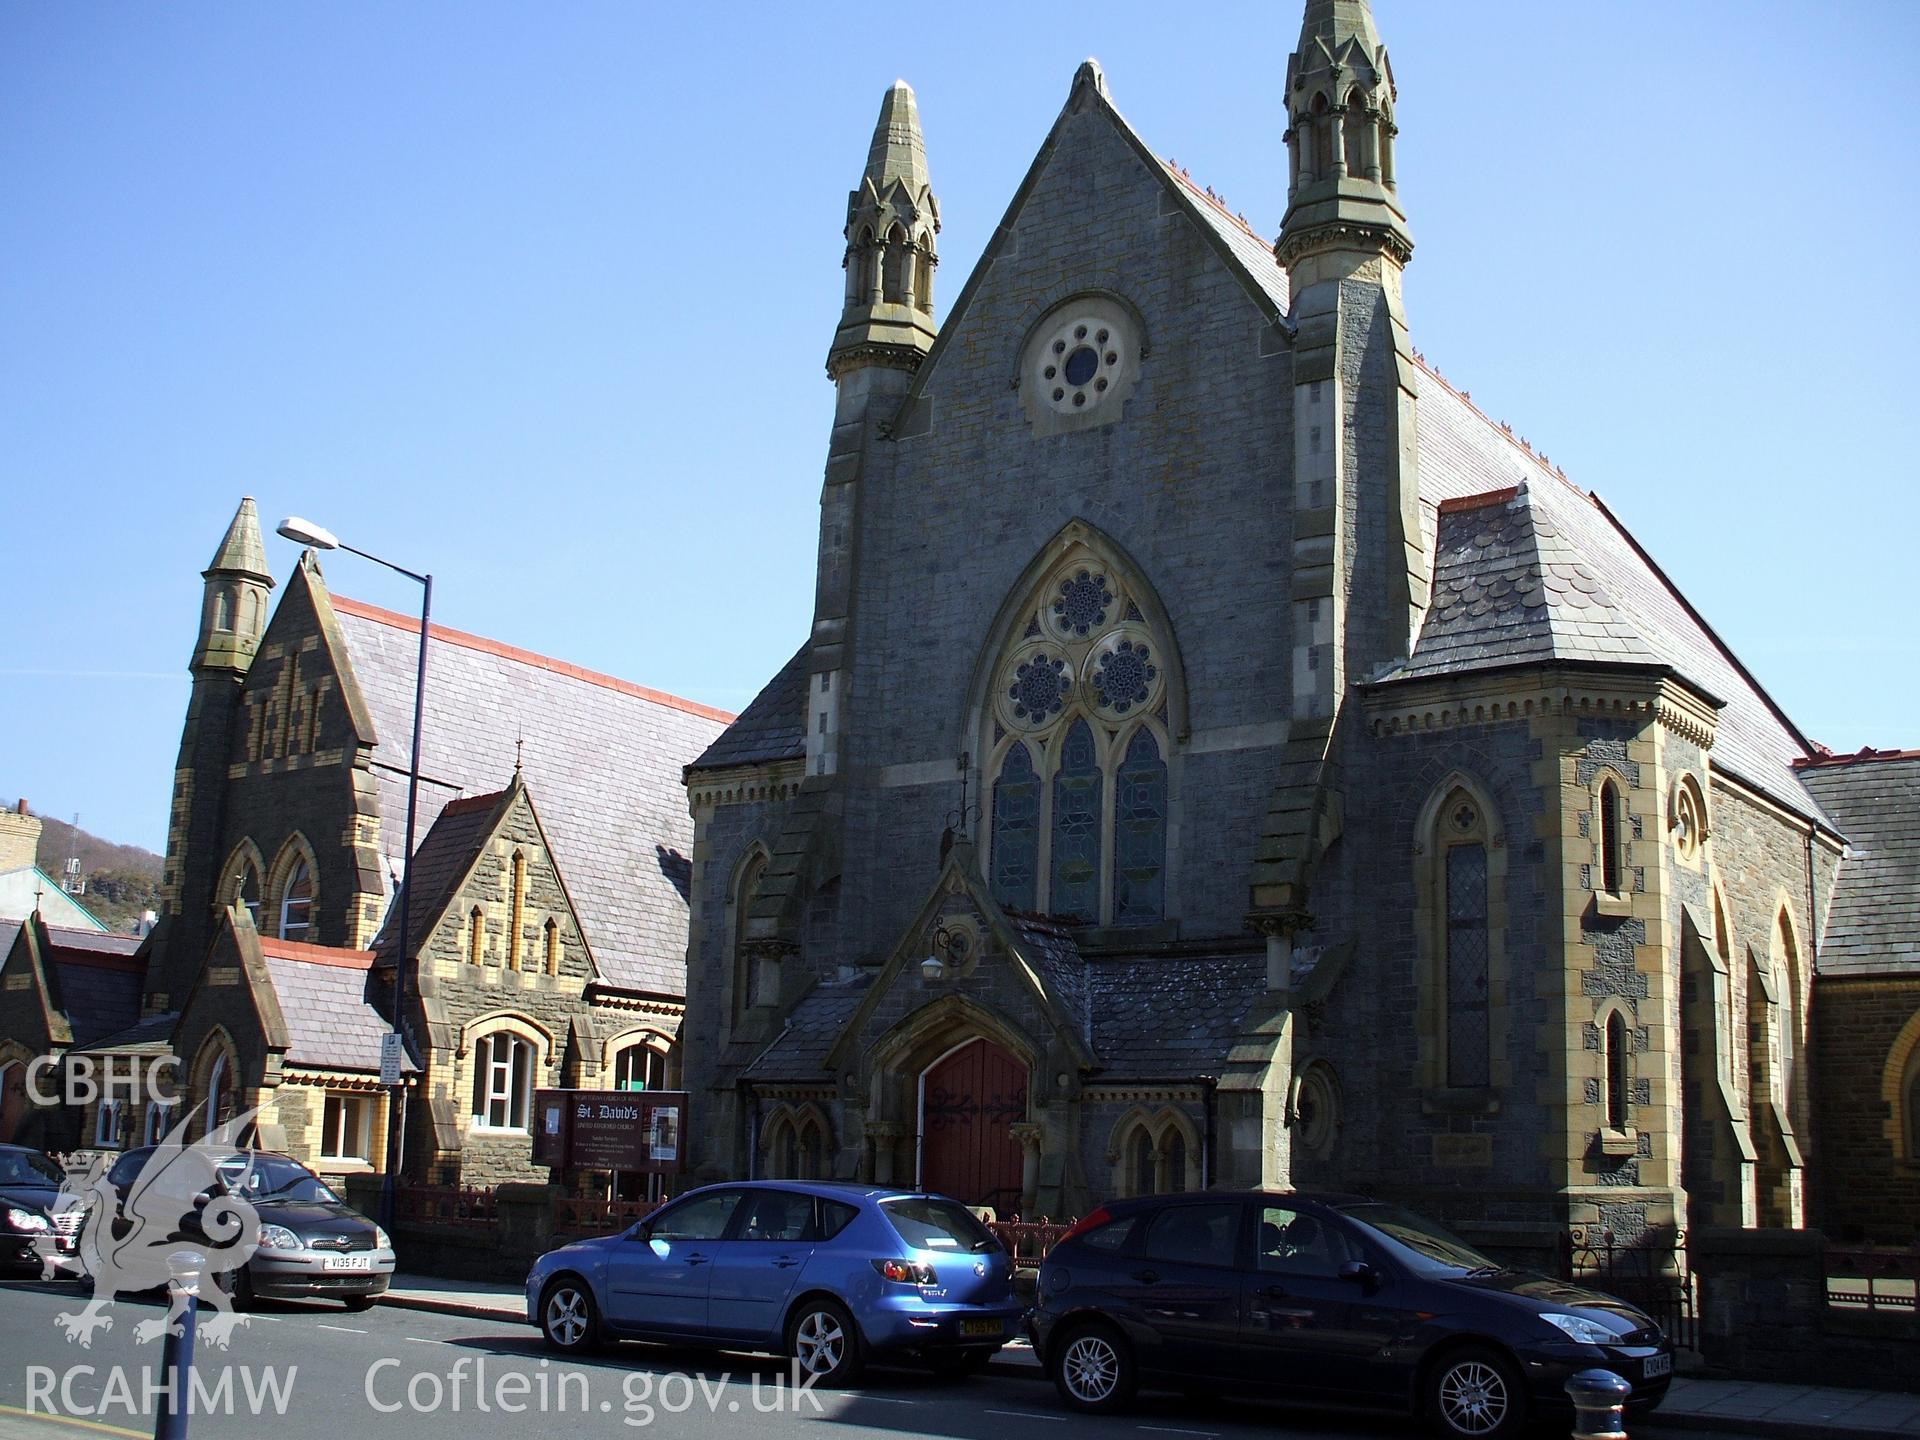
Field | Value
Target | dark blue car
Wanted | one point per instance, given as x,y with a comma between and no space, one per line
1324,1299
830,1274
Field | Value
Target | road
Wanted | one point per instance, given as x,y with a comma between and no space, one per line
303,1372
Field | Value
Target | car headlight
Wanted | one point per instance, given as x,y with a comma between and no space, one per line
381,1240
278,1237
1585,1332
27,1220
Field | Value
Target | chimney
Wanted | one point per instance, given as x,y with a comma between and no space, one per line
19,838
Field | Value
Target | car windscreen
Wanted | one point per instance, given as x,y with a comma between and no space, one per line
1416,1241
938,1225
274,1177
23,1167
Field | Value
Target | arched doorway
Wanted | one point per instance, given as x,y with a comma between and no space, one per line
970,1098
13,1100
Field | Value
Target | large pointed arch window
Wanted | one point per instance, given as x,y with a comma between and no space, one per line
1077,780
296,902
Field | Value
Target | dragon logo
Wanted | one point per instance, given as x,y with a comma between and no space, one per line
187,1197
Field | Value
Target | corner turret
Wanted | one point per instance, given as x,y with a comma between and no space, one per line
892,219
233,607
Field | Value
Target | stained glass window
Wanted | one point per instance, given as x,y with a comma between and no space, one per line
1016,831
1140,834
1176,1152
1076,828
1467,1027
1142,1148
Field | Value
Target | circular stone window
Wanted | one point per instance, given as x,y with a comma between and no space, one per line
1081,362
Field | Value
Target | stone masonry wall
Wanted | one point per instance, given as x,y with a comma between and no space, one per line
1868,1183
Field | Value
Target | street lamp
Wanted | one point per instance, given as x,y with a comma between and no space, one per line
305,532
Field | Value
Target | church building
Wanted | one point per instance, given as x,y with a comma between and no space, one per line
1223,756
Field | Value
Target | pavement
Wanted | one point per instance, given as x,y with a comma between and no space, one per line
1736,1407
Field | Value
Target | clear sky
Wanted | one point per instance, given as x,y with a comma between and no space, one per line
536,297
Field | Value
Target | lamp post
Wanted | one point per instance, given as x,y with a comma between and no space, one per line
305,532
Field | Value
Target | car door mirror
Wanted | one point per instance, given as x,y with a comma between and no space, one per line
1362,1274
642,1231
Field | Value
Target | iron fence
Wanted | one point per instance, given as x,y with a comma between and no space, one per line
1873,1279
592,1215
1028,1241
1648,1270
444,1205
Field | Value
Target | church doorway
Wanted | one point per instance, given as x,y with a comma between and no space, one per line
970,1098
13,1100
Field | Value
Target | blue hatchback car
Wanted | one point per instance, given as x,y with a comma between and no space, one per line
831,1274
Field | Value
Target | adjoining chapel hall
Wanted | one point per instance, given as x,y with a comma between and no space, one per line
547,925
1221,755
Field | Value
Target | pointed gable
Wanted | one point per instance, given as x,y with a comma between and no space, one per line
301,698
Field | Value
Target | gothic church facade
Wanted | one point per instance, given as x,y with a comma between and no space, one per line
1221,755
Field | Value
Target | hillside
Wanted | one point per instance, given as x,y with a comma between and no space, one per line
123,881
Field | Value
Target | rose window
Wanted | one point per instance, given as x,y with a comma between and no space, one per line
1080,362
1082,603
1039,689
1124,677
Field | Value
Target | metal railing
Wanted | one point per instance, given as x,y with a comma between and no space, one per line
444,1205
1649,1271
573,1215
1878,1280
1028,1241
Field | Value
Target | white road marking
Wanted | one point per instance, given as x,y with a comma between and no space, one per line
343,1329
424,1340
889,1400
1169,1430
1025,1414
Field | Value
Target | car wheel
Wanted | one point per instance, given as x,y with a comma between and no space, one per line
568,1317
1093,1369
357,1303
1476,1392
956,1364
824,1340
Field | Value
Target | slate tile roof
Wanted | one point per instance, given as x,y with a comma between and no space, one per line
1170,1017
1050,946
100,999
441,860
1508,588
327,998
800,1051
1463,453
771,728
153,1034
1873,925
603,756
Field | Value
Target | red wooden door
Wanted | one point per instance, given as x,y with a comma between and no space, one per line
969,1101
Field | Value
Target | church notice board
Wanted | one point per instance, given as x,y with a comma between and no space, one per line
634,1130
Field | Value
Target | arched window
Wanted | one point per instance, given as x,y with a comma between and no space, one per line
1612,861
1076,827
515,938
923,277
1016,830
1322,139
747,978
1617,1081
1786,975
223,608
245,890
1140,834
1076,718
219,1095
502,1081
640,1067
296,902
1467,955
1358,123
476,937
159,1120
1140,1168
899,258
550,933
1173,1162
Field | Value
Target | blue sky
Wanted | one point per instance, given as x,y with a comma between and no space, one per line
537,297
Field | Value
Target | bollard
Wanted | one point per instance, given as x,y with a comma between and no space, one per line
176,1351
1599,1405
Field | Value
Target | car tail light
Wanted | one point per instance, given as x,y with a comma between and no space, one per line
906,1272
1092,1222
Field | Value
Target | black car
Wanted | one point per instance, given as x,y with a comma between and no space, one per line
1326,1299
313,1245
30,1218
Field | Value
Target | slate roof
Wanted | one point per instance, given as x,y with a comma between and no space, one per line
1463,453
1253,252
800,1051
1873,924
100,998
773,727
332,1022
603,756
1171,1018
154,1033
441,860
1049,944
1509,589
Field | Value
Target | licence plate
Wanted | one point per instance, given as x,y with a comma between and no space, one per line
346,1262
982,1327
1655,1366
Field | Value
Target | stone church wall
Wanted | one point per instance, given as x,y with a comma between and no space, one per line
1868,1182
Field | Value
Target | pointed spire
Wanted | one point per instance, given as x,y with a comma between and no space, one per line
1340,107
233,605
242,552
887,318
